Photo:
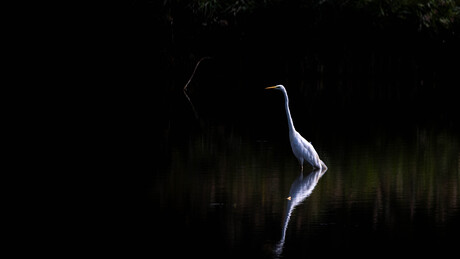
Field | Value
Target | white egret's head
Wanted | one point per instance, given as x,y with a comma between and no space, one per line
276,87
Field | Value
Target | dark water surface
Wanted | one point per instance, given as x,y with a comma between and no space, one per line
225,192
380,106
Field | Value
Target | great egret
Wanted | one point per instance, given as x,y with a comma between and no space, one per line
302,149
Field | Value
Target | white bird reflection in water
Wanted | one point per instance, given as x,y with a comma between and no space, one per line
301,188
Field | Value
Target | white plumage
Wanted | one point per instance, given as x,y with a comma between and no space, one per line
302,149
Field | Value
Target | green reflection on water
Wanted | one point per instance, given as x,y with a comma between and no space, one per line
234,187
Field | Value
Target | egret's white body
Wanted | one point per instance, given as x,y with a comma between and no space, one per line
302,149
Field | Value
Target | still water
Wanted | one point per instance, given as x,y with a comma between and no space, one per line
228,193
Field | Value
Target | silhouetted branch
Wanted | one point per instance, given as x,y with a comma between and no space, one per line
186,85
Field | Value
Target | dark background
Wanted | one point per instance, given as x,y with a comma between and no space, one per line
340,57
345,66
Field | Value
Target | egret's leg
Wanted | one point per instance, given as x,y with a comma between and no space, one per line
301,168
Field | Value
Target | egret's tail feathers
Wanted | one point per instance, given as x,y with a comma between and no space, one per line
323,166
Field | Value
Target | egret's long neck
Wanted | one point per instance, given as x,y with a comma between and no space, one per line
288,113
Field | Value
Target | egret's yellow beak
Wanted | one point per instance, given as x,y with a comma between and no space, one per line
272,87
